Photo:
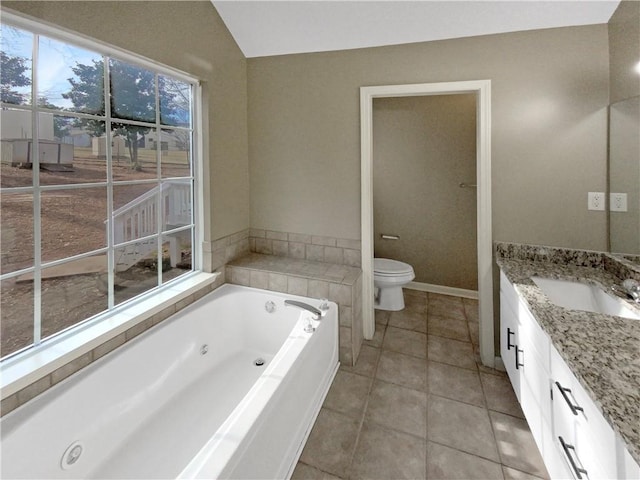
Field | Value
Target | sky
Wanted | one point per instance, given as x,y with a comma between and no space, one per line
55,60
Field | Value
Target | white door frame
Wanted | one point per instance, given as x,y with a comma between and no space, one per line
482,90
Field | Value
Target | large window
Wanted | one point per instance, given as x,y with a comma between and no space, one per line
97,181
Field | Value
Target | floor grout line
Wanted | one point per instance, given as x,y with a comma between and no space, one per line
364,411
318,468
396,430
460,401
467,453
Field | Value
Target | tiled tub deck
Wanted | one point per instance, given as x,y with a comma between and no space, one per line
339,283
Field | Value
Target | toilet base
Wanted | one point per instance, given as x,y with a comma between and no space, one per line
389,299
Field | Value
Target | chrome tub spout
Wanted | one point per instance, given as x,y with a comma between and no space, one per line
304,306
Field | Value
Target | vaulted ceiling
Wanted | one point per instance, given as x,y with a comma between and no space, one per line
264,28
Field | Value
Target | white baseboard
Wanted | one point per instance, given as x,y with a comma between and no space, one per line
458,292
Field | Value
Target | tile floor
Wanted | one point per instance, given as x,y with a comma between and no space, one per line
418,404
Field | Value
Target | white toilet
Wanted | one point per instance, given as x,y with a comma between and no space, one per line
389,276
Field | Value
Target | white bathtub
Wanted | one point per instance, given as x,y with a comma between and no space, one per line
159,408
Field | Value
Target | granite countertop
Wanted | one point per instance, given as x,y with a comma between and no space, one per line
602,351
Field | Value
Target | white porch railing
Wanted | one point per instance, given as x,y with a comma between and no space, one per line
139,218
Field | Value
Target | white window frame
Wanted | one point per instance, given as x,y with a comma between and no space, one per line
28,365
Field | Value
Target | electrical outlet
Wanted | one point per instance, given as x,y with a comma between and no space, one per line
595,201
618,202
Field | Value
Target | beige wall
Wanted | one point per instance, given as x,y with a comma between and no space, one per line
423,148
624,51
549,98
191,37
549,92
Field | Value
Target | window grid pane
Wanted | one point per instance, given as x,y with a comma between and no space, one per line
16,315
16,51
175,155
85,151
175,99
136,267
176,254
16,211
62,305
72,222
133,92
83,91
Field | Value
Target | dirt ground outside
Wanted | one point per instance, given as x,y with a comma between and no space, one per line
73,222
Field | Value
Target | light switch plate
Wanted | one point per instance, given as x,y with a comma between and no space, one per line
595,201
618,202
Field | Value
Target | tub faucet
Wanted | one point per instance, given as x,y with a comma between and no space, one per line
630,289
304,306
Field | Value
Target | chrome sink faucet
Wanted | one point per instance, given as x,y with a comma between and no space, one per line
629,289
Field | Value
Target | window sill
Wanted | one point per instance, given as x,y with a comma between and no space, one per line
33,365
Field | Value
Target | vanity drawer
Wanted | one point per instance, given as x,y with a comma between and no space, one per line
593,437
554,459
575,444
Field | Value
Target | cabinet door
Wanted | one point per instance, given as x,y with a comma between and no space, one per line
508,344
533,414
535,336
535,383
534,358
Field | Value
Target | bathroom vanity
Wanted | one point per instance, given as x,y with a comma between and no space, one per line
576,373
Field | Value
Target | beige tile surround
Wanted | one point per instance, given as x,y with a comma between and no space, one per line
218,253
339,283
315,248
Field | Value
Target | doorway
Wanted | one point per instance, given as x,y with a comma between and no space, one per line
482,91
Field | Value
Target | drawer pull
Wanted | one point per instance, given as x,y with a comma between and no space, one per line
566,447
518,364
509,333
564,391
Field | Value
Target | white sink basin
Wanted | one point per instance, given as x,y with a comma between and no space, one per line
581,296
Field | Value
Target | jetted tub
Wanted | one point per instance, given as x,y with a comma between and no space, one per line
186,399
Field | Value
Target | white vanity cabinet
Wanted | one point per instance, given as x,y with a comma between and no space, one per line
573,437
520,333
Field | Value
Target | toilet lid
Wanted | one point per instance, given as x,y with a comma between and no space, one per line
386,266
